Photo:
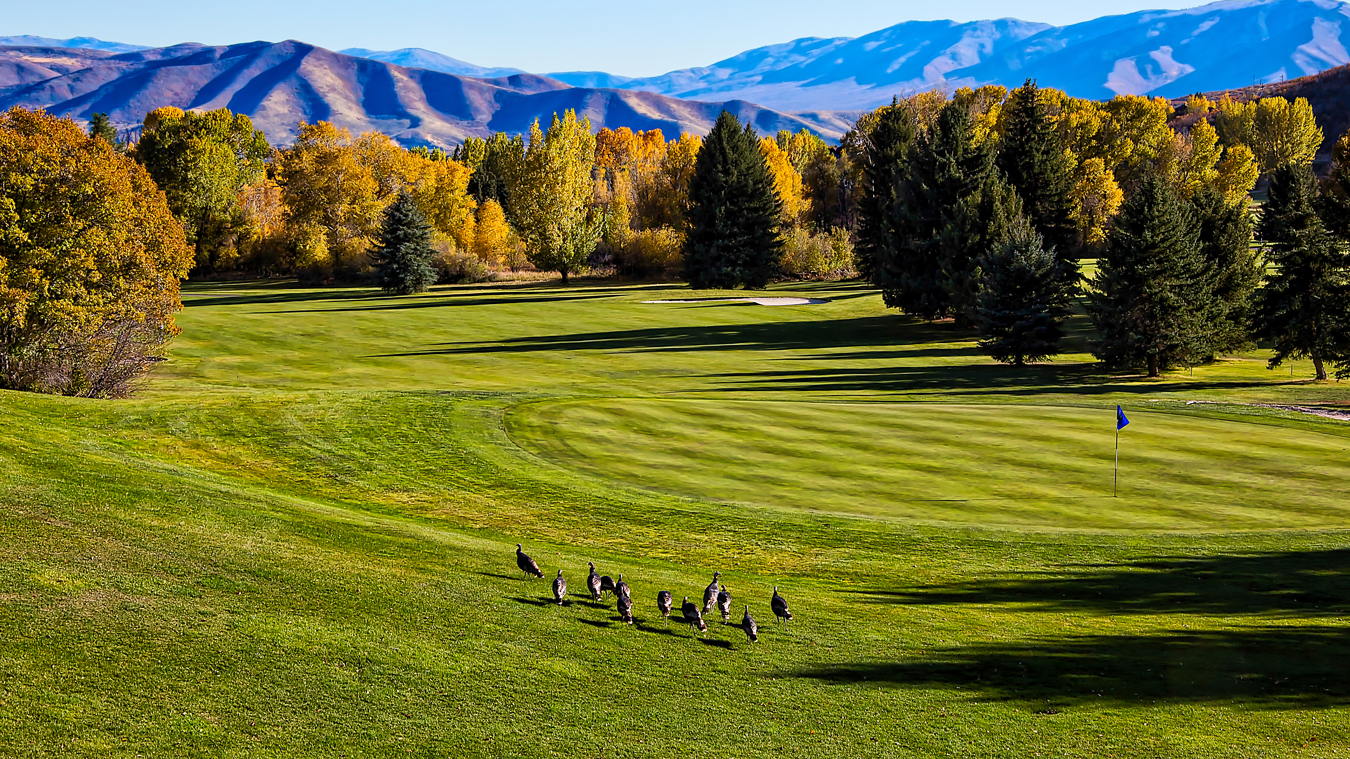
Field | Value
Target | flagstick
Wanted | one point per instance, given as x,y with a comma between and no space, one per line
1115,475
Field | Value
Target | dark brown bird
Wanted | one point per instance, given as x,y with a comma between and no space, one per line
625,607
692,617
621,589
710,594
559,588
780,607
663,602
593,582
606,584
527,564
748,625
724,604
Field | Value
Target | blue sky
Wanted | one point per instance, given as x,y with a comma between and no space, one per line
631,38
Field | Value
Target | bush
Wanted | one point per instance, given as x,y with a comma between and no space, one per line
824,255
651,252
455,267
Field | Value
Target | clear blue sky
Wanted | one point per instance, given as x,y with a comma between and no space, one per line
634,38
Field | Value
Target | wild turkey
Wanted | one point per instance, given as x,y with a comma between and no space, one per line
748,625
780,607
606,584
527,564
663,602
710,594
724,604
593,582
625,607
559,588
622,590
692,617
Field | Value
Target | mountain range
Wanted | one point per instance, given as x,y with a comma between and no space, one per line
422,97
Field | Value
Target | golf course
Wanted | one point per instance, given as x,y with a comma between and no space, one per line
297,537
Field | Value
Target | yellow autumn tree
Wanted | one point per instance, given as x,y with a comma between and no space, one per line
1095,199
332,199
1277,131
551,198
492,235
664,201
787,181
90,261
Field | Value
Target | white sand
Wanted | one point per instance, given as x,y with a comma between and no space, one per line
792,301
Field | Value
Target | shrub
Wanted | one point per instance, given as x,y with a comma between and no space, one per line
823,255
455,267
651,252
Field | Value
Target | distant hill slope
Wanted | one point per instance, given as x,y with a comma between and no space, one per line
1328,93
280,84
1220,45
419,58
83,43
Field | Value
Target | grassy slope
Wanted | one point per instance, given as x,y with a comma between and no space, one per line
298,541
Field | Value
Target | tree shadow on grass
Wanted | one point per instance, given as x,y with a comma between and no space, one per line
715,642
648,628
601,623
533,601
1265,667
1283,584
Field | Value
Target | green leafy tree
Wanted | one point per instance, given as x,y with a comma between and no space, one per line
100,126
1023,298
935,217
403,253
1231,265
1032,156
202,161
550,196
1303,306
734,236
1150,298
882,140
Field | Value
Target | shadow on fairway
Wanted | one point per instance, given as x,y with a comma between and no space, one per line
533,601
262,292
601,623
715,642
1285,584
1265,667
644,627
522,578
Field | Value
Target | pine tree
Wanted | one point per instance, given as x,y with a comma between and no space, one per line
403,254
100,126
982,221
1150,299
886,138
1032,155
734,235
933,215
1023,298
1303,307
1232,267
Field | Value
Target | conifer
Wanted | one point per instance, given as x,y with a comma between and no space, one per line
734,234
1232,267
1303,307
1023,298
885,144
1032,156
403,254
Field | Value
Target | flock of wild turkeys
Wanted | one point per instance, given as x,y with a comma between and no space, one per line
714,595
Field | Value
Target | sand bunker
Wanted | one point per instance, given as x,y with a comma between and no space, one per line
756,301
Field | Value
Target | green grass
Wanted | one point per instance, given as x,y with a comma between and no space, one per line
297,541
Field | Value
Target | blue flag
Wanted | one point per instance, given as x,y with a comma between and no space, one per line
1121,421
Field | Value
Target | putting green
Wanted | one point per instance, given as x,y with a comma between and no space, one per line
1031,466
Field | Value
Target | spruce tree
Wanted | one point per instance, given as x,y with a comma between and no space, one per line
1150,297
1303,307
933,215
885,147
734,212
1031,154
1233,268
1023,298
403,254
981,221
100,126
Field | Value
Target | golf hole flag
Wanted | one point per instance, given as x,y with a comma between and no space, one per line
1121,421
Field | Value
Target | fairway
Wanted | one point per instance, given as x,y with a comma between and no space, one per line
298,538
987,464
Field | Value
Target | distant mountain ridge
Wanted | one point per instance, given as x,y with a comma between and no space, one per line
85,43
280,84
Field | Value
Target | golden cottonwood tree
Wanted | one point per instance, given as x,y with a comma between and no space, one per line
492,235
551,199
787,181
90,260
332,199
1278,131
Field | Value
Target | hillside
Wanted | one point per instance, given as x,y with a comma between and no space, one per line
280,84
1328,93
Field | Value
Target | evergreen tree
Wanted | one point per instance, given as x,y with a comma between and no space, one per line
1303,307
403,254
935,217
982,221
1031,154
885,143
100,126
1023,298
734,236
1233,269
1151,299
